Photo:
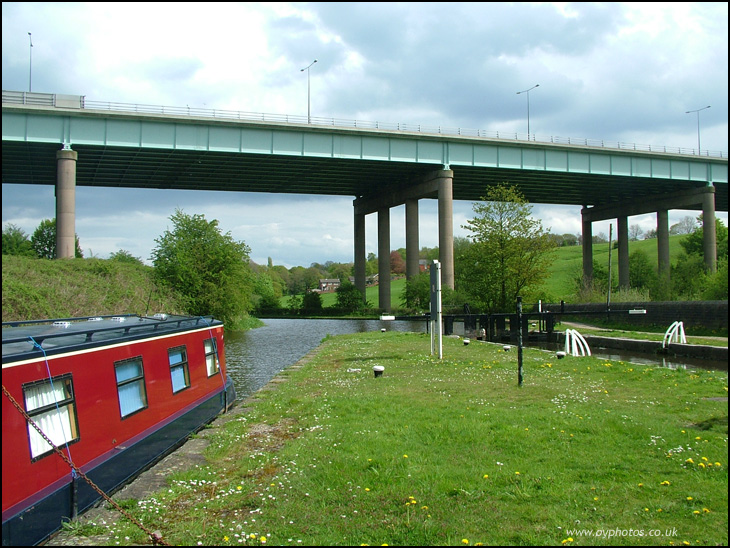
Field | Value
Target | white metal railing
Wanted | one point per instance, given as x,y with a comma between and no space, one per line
48,99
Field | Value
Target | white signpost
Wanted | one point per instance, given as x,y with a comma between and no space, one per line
436,320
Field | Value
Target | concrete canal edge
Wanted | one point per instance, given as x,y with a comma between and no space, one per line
156,478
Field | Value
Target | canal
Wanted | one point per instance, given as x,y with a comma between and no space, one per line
255,356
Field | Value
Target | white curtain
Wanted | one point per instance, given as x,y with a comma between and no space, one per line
55,423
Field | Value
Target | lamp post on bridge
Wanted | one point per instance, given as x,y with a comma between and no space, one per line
528,106
698,125
30,64
309,117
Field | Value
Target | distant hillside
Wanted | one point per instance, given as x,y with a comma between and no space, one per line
41,288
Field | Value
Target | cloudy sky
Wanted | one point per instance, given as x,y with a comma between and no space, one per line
624,72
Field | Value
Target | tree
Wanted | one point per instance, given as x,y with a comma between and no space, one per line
349,297
312,301
44,240
397,264
511,251
210,269
417,293
685,226
634,232
16,242
124,256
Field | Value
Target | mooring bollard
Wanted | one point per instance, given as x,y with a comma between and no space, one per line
466,342
378,370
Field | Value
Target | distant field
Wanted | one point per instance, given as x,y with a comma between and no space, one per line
566,268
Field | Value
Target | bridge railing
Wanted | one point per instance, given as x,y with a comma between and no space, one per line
48,99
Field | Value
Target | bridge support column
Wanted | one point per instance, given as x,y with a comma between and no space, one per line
662,234
412,246
360,259
384,259
709,244
446,226
66,203
623,252
587,248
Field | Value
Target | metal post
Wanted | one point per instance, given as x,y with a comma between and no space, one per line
519,341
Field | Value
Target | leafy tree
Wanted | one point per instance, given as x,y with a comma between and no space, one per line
312,301
349,297
44,240
417,293
124,256
210,269
643,274
694,242
16,242
397,264
511,251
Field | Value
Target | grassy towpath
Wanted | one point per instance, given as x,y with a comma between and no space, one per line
453,452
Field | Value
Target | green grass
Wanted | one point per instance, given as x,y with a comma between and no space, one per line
568,263
452,451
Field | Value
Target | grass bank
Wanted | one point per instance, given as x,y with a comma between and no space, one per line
453,452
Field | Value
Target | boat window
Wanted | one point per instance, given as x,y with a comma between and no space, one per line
179,368
211,357
51,405
130,386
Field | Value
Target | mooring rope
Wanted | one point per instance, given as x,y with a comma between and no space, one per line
155,536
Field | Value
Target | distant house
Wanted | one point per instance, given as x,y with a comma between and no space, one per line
328,285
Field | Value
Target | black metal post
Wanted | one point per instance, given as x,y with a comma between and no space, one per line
519,341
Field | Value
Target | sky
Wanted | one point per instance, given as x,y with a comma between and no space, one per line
625,72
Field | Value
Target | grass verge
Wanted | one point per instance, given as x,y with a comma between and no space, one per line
453,452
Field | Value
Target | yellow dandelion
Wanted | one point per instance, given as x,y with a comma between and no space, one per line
517,473
465,541
367,489
690,498
262,540
696,512
665,482
405,456
718,464
701,465
225,539
641,485
706,510
704,459
486,476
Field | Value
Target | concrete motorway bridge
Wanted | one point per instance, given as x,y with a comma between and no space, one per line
67,141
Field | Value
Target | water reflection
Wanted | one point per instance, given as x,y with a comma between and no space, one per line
254,357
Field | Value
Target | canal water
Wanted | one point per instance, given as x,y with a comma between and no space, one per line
255,356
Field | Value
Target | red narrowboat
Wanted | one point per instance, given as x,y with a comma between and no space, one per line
114,394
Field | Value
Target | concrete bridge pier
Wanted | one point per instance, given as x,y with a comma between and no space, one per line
696,198
66,203
384,259
437,184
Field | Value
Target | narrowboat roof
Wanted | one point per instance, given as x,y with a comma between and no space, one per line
31,339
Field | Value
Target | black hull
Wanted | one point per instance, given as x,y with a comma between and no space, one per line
38,522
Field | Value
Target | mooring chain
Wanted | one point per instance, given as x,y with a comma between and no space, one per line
155,536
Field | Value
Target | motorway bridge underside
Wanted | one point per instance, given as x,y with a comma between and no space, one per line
76,146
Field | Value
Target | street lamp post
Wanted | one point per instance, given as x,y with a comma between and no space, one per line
309,117
528,106
30,64
698,125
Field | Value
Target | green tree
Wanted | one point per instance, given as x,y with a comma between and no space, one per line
44,240
312,301
124,256
511,252
643,274
417,293
694,242
210,269
16,242
349,297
